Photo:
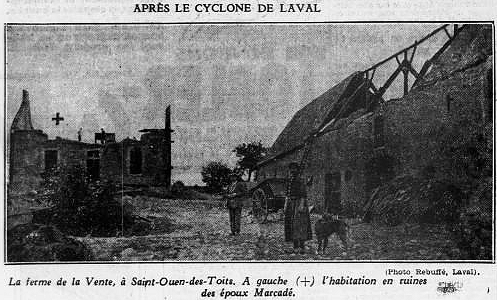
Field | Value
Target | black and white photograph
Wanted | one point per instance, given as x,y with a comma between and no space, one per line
366,141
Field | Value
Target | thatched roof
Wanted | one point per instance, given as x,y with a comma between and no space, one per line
316,114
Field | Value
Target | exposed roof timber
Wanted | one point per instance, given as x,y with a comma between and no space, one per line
344,107
416,43
427,64
320,130
405,65
369,73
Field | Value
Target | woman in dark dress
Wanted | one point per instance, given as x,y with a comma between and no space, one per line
297,217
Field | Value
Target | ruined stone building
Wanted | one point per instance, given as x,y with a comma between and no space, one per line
356,140
131,162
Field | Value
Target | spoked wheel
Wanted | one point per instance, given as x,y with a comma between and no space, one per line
260,205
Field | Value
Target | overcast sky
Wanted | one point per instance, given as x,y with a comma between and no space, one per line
226,84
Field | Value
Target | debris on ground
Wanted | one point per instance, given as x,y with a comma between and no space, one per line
38,242
201,232
408,199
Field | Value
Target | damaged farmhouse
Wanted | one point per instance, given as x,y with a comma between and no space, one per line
350,140
129,162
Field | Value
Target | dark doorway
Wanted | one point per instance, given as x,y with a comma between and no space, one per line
332,194
50,159
93,164
135,161
378,171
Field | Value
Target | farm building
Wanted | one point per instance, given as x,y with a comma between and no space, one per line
350,139
130,162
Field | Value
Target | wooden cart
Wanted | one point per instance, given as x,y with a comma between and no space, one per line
268,196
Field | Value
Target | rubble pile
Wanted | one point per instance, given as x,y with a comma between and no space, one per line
473,231
37,242
408,199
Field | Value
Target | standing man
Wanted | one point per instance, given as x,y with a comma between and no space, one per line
102,136
297,217
80,134
235,198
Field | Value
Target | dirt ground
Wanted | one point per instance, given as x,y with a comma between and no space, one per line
201,233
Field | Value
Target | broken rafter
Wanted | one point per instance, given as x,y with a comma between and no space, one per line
373,87
398,61
428,63
389,81
423,71
345,104
405,70
372,74
407,63
412,53
448,33
404,66
407,48
316,133
412,70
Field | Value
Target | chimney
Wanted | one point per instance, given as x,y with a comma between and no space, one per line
22,120
167,150
25,96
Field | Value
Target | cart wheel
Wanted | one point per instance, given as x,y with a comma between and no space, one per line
260,205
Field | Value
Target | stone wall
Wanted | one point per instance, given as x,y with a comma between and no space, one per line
413,129
70,153
26,160
453,96
116,164
343,150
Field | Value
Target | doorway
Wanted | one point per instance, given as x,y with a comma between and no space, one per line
332,193
378,171
50,160
135,160
93,164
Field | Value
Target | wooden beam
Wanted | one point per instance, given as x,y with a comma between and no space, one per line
429,62
379,92
405,70
389,81
423,71
398,61
345,105
448,33
412,53
373,87
407,48
406,81
411,69
314,134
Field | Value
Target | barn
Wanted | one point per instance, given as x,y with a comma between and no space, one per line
350,140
